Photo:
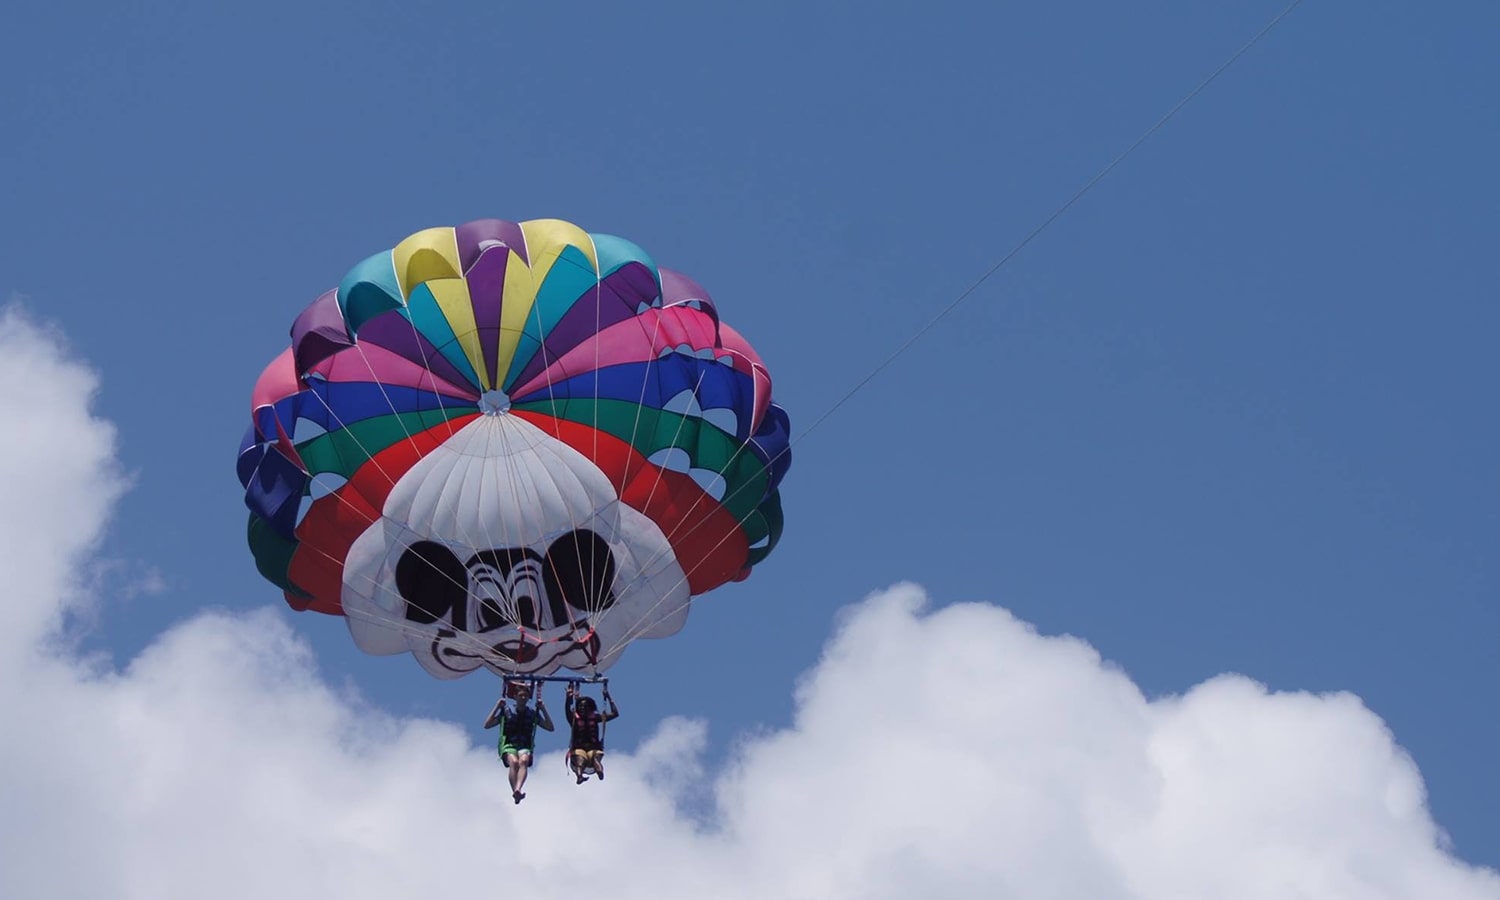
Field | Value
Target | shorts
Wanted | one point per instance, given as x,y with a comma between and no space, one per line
587,759
515,751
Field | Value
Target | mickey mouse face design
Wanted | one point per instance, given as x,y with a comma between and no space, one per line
534,571
511,602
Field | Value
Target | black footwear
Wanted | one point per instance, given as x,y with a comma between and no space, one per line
517,796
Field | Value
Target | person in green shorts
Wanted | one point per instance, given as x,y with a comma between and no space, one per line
518,725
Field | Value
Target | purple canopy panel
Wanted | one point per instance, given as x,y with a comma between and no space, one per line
486,278
474,237
677,287
396,333
319,332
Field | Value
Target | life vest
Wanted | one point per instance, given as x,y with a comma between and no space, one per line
586,731
518,727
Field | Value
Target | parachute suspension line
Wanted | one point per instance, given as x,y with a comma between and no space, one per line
635,631
370,457
520,484
525,496
463,531
398,625
667,547
592,573
344,426
461,633
635,427
1014,251
682,420
501,603
573,520
586,576
498,597
482,651
510,604
410,439
458,521
687,526
640,402
519,481
596,581
526,493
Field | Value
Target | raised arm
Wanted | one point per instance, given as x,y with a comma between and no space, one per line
543,719
495,714
614,711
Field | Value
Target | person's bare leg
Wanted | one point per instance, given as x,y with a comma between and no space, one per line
517,775
518,778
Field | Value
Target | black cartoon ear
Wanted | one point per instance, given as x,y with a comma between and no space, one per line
434,585
580,571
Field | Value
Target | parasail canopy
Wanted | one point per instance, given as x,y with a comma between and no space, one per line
512,446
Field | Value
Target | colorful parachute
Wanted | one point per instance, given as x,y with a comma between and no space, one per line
511,446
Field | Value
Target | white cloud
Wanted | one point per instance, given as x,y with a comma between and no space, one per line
947,753
58,478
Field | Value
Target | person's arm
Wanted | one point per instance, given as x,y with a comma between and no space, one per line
495,714
614,711
568,706
543,719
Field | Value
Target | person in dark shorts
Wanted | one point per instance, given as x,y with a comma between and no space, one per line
518,725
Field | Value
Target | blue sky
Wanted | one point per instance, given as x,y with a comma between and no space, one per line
1232,413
